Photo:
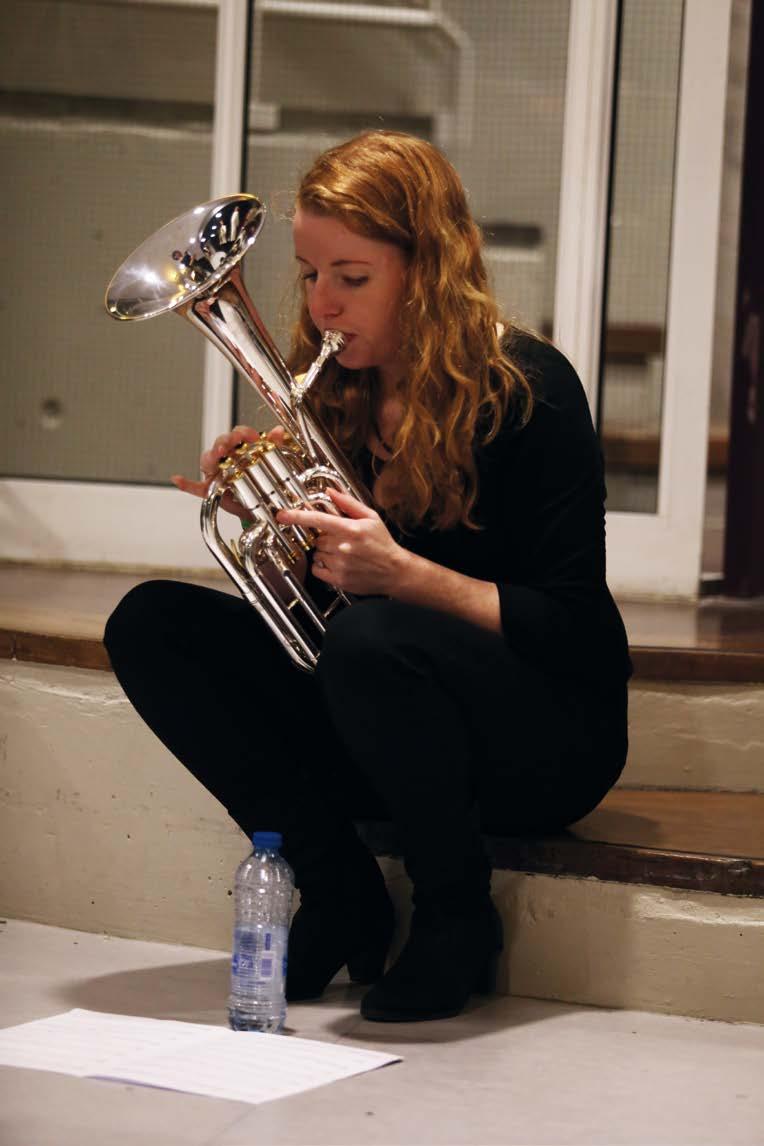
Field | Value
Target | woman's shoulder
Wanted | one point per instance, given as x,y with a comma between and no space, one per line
551,377
560,423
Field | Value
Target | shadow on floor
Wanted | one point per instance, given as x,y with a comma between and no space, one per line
483,1015
197,991
189,992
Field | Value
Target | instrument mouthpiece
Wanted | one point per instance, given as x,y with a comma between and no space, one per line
333,342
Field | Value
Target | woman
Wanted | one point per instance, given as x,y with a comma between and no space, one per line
479,685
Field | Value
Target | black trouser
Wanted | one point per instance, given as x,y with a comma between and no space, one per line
412,715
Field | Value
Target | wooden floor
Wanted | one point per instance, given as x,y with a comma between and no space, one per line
67,602
719,624
700,841
715,639
58,615
708,841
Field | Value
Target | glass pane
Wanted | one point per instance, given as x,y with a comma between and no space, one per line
726,296
483,79
105,121
640,234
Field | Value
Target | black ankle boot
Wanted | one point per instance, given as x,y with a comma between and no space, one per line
345,917
445,959
324,937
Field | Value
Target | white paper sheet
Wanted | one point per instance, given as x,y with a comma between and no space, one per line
215,1061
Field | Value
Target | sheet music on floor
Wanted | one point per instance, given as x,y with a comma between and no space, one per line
182,1056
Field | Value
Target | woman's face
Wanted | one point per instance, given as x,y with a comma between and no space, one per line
355,285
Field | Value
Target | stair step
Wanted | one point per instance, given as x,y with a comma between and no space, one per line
697,665
621,945
664,664
695,735
701,841
56,616
655,900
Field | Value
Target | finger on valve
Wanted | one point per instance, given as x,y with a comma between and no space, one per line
223,445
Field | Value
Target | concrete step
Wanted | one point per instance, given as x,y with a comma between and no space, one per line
696,715
696,735
622,945
103,831
697,696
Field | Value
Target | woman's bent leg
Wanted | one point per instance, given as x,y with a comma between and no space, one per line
202,670
440,716
209,679
395,720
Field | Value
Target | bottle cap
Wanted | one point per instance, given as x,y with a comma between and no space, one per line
267,840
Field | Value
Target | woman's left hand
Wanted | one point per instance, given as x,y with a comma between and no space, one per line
355,552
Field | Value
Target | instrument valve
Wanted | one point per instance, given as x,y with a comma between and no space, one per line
229,470
249,452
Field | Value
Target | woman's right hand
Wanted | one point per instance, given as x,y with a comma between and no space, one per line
223,445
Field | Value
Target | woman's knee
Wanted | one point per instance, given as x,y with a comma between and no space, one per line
132,610
367,629
373,641
147,609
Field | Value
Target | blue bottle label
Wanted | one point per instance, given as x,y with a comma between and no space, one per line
242,963
257,957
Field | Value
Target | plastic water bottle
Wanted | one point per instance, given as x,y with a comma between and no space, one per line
263,902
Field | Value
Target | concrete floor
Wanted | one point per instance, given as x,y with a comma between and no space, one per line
509,1070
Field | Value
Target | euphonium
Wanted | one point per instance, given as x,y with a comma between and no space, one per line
191,266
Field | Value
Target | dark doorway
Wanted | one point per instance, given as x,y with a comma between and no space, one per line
744,533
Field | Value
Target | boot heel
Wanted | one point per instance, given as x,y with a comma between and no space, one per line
485,983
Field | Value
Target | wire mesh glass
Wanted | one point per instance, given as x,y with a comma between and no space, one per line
632,379
105,121
482,79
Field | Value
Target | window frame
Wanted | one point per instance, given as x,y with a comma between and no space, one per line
657,554
148,527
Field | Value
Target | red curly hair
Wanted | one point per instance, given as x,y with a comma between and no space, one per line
459,383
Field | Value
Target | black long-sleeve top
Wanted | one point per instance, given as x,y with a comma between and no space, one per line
541,503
